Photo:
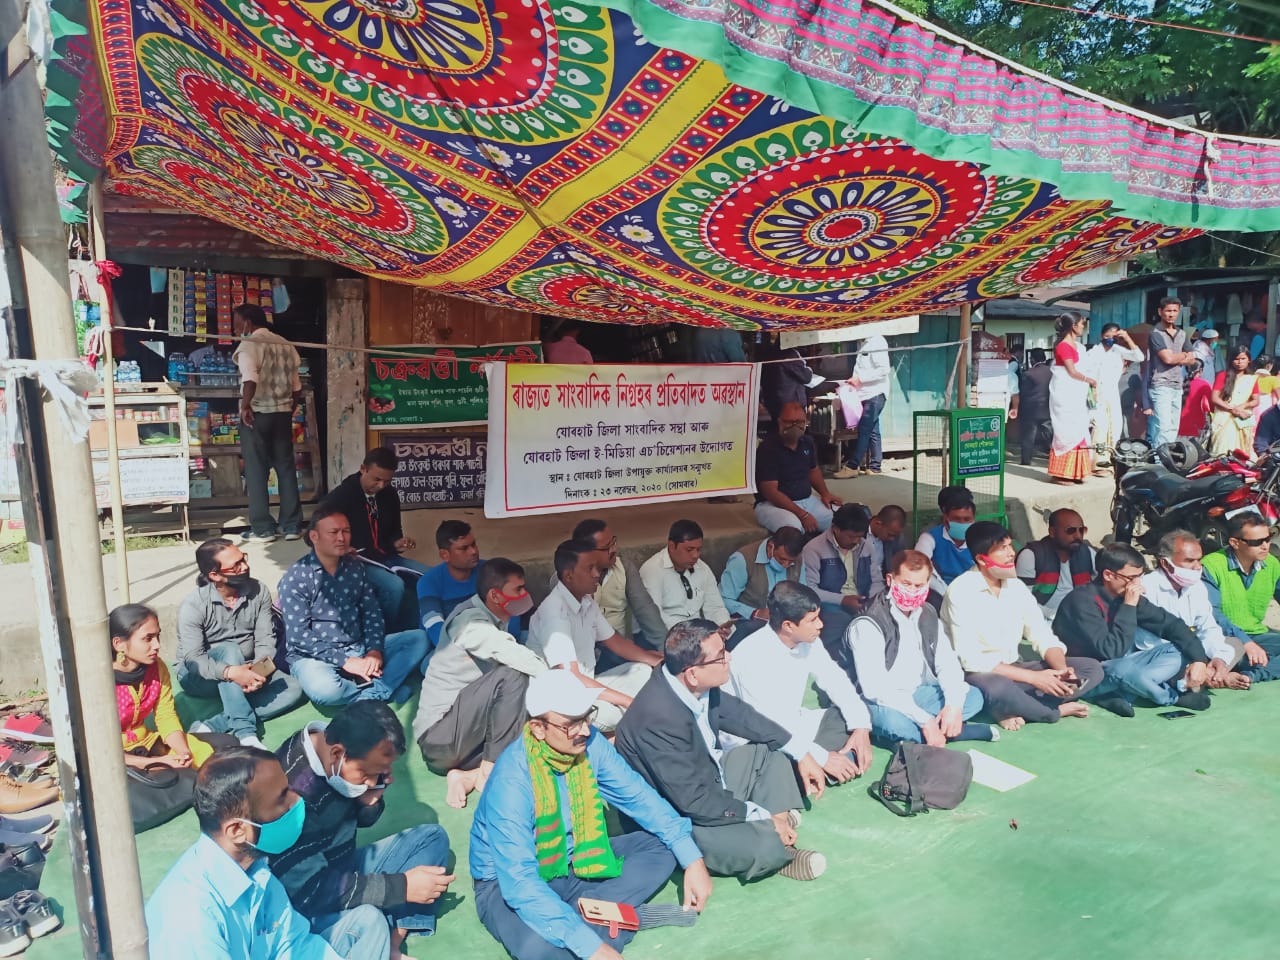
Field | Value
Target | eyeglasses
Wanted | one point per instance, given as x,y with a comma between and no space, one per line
586,720
1129,579
238,567
609,547
1072,531
688,587
723,658
1253,543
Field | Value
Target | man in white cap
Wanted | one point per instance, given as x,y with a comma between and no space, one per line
532,859
1204,348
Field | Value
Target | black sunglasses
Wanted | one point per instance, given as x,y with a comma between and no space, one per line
688,587
1071,531
1253,543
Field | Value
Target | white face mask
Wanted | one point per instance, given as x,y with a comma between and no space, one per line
1181,576
344,787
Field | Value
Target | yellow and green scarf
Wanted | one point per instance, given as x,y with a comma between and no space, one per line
593,857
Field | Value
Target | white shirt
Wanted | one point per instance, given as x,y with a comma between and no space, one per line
1106,366
1192,607
667,588
896,686
986,627
1026,568
767,674
564,630
872,368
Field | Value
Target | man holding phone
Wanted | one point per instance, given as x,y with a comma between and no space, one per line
341,769
227,646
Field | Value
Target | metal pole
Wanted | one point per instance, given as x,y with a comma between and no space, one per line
98,244
966,351
62,528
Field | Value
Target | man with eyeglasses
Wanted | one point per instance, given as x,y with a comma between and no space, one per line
744,801
622,598
540,840
679,580
227,646
1056,564
790,489
1242,579
1102,620
754,570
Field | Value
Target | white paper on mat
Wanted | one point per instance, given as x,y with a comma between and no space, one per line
997,774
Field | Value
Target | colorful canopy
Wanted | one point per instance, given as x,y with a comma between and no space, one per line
546,155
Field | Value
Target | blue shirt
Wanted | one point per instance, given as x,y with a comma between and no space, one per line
208,908
1268,431
439,593
330,618
502,846
734,579
1215,594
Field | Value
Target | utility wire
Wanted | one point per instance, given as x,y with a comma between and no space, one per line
1150,23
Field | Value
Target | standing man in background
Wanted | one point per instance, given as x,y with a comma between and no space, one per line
1033,402
1107,361
269,390
871,379
1167,355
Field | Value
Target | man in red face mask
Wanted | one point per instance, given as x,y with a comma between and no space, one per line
988,611
472,703
905,665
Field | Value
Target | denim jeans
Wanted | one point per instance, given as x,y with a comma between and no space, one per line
398,599
324,686
868,439
772,518
1270,642
361,933
426,845
889,725
1143,674
241,711
1166,414
269,443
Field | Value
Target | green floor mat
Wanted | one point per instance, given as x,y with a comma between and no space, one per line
1139,839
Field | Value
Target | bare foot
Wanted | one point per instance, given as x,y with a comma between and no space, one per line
1013,723
1073,709
459,783
1238,681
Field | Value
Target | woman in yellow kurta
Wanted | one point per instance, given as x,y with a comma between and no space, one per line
144,690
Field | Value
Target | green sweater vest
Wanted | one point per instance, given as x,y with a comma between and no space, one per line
1245,607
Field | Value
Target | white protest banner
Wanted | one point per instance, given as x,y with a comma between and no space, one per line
571,437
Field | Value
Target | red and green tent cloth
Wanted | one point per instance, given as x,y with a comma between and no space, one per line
751,163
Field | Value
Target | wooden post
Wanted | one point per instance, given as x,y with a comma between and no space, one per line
347,373
966,336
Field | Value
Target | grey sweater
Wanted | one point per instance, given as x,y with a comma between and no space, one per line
203,620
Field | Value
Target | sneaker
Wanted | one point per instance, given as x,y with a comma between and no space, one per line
199,727
293,536
252,742
844,473
1193,700
25,774
805,865
36,912
40,824
18,797
793,819
13,931
250,537
1117,705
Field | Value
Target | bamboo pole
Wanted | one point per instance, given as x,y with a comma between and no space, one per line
62,529
966,352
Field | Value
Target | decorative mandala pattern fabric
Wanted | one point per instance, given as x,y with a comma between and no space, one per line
544,155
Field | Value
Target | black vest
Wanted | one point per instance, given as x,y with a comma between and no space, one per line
1049,568
878,611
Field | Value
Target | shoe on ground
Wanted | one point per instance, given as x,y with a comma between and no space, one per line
25,774
30,727
1117,705
293,536
14,937
9,838
805,865
18,797
24,858
199,727
252,742
250,537
1193,700
36,912
844,473
41,824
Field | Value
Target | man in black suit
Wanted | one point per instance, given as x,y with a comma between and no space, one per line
744,800
1033,402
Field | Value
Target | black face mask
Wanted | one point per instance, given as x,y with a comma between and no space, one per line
238,581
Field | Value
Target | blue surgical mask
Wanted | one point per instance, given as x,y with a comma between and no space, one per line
1108,341
957,531
280,834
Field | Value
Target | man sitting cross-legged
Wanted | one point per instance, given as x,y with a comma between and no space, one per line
1242,579
744,802
1101,620
622,597
1058,563
472,703
551,785
771,669
905,665
751,572
988,611
829,566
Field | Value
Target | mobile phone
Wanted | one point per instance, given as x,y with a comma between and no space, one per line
360,682
264,667
1072,681
1175,714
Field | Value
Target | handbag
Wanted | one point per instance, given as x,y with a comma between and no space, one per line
923,778
158,793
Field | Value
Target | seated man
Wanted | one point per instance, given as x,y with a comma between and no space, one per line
988,612
744,802
341,769
771,669
1101,620
790,489
905,665
568,625
472,701
450,582
221,900
372,507
553,783
680,582
752,571
622,598
1268,431
1176,586
944,544
224,630
1057,563
338,646
884,542
830,567
1242,579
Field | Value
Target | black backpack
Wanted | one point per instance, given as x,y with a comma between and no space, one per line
923,778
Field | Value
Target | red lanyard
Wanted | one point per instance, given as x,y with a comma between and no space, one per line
373,523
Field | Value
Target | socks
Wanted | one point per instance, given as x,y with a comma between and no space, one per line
1116,704
1193,700
665,915
978,731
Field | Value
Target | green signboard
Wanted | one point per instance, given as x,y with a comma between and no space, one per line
978,446
436,386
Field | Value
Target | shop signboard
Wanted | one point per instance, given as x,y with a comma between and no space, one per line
979,446
144,481
439,469
419,386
